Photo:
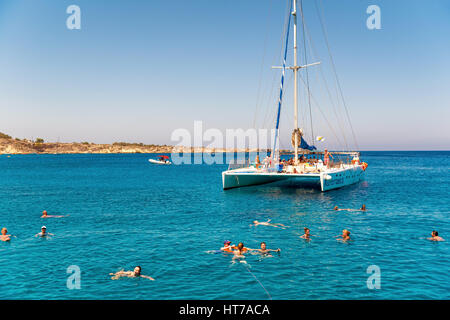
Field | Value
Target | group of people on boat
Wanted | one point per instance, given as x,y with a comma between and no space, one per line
312,160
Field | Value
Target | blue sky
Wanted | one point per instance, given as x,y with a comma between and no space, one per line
137,70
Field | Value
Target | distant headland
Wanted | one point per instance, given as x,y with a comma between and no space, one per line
10,145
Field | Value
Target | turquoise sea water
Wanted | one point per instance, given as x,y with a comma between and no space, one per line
124,212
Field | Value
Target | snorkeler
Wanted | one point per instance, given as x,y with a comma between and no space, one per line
266,223
45,215
435,236
136,273
44,232
227,247
306,235
264,249
4,236
345,235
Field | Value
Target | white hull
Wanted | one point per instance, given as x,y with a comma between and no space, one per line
159,162
327,180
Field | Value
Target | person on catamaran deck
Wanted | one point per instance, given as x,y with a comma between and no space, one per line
326,158
44,232
227,247
264,249
266,223
45,215
257,162
5,236
306,235
435,236
345,236
136,273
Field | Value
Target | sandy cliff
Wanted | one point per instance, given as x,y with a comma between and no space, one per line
16,146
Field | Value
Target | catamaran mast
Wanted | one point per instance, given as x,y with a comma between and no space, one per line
295,68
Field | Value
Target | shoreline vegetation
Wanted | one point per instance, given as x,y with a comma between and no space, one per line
10,145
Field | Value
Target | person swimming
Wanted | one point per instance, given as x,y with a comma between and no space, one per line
345,235
435,236
306,235
266,223
264,250
239,252
136,273
363,208
44,232
227,247
45,215
4,235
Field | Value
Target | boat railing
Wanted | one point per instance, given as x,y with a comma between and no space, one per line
239,164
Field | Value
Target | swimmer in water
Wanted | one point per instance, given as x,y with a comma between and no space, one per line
435,236
239,253
44,232
264,249
45,215
306,235
345,236
4,236
266,223
136,273
363,208
227,247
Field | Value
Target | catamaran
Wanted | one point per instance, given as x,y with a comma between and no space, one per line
308,167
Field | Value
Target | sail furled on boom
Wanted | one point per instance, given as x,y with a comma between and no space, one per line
280,99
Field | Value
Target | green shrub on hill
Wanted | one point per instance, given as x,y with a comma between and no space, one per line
4,136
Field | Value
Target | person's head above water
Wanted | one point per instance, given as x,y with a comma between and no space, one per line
363,208
255,222
263,246
227,242
44,213
335,208
137,271
306,230
43,229
4,231
345,232
240,246
434,233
